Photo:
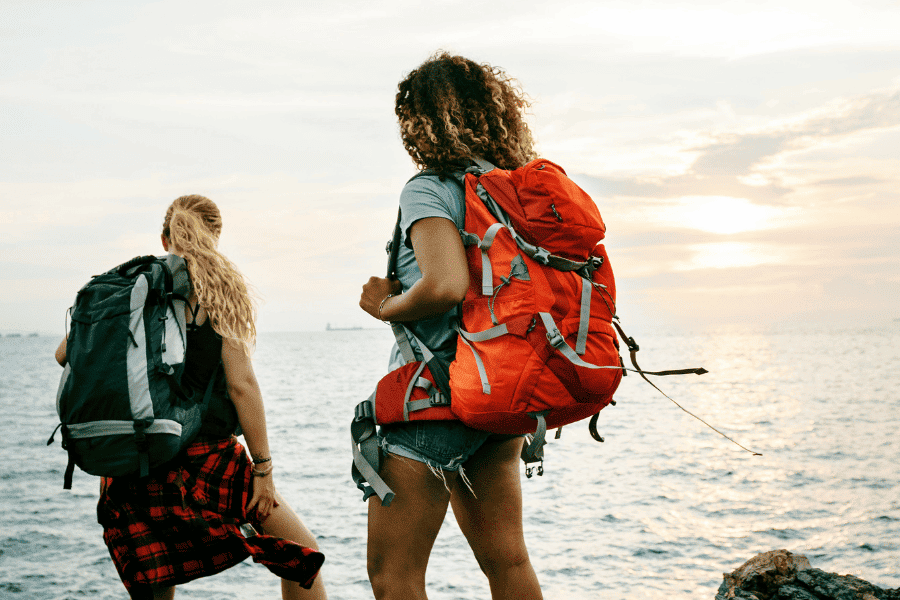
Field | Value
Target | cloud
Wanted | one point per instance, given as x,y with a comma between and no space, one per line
731,147
757,163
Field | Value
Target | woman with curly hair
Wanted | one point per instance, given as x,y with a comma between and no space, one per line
185,519
451,110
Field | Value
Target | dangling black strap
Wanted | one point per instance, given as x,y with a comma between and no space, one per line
140,440
633,349
393,250
70,470
592,427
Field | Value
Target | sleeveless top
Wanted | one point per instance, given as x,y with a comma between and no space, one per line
203,355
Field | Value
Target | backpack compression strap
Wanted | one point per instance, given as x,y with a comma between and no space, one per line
366,453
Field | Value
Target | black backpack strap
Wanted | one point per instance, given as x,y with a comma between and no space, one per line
70,466
393,249
70,470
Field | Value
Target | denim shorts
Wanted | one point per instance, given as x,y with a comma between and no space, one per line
441,445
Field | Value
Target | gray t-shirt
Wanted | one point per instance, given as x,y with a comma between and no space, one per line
422,197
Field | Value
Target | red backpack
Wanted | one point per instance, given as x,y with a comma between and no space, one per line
536,345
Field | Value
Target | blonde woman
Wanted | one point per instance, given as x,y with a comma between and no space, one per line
451,110
183,521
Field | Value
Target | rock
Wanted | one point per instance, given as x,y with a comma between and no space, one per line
780,575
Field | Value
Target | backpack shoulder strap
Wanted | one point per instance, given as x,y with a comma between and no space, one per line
393,249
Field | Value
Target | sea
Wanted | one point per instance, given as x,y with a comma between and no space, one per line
660,510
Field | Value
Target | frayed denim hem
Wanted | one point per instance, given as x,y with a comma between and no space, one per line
434,466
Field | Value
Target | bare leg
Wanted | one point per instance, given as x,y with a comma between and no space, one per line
402,535
166,593
283,522
491,520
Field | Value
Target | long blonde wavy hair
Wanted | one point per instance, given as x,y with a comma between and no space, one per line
452,109
192,226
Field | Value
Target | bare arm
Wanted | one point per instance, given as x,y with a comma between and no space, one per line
445,276
247,397
61,356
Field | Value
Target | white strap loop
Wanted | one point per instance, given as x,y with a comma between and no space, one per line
585,317
487,273
485,384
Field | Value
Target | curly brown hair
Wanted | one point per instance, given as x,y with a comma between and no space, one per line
452,109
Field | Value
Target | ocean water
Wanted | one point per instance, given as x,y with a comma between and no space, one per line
658,511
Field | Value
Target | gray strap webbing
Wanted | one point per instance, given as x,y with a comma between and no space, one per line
425,384
494,208
559,342
564,264
483,336
534,451
403,342
544,257
484,165
414,405
366,452
409,389
485,384
102,428
436,399
585,318
469,239
487,273
403,336
368,473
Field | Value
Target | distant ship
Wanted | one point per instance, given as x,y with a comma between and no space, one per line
328,327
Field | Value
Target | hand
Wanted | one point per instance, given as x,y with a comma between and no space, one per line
263,498
375,291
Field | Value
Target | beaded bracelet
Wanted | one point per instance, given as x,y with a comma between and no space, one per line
380,306
263,473
259,461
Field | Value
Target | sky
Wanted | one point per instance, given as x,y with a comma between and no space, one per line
744,155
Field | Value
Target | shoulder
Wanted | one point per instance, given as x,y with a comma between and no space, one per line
430,184
426,195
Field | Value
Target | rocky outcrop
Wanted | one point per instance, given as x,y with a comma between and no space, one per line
780,575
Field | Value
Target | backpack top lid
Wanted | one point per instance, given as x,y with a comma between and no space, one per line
110,293
547,208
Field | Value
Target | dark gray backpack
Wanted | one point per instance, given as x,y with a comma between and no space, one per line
121,405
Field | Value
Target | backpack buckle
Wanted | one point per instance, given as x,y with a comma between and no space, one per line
555,338
440,400
364,411
529,470
541,255
632,345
